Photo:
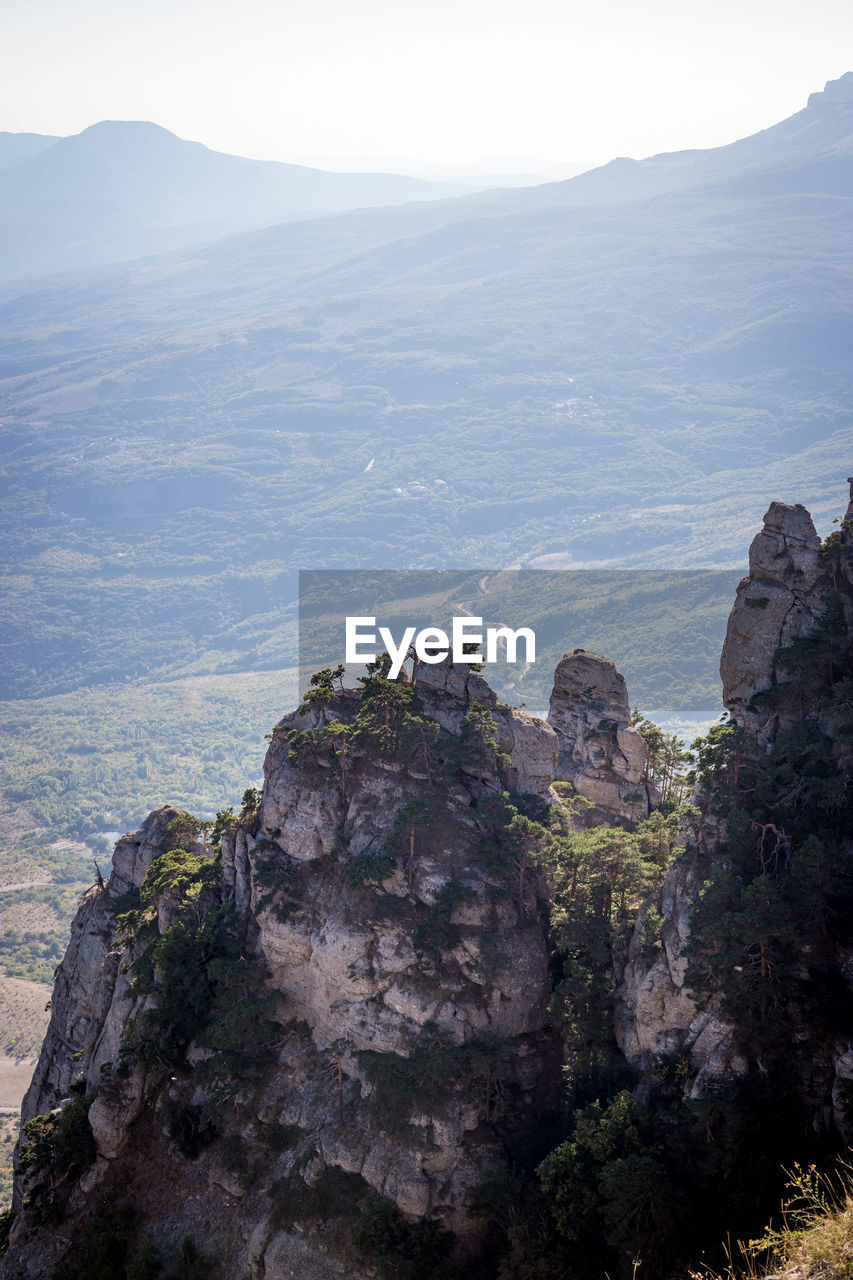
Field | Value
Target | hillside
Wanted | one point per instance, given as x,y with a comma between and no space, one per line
602,373
613,385
464,992
124,188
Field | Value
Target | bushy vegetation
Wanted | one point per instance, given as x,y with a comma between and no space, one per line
397,1247
111,1247
601,878
770,921
56,1149
654,1180
207,988
389,722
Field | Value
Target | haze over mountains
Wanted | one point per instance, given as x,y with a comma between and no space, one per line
611,370
121,189
614,371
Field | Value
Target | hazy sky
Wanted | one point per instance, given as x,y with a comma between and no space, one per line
452,80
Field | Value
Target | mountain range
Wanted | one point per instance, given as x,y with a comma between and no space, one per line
610,372
601,370
615,371
121,189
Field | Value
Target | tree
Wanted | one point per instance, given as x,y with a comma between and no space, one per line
343,739
409,818
322,690
185,830
666,762
527,842
479,746
609,1180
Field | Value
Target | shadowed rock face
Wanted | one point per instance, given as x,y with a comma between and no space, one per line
91,996
599,753
781,599
785,593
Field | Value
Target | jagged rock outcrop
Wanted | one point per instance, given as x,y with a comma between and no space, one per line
91,999
443,951
531,745
389,940
780,600
790,581
603,758
349,977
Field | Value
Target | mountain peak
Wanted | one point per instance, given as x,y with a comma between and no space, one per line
135,134
127,126
837,93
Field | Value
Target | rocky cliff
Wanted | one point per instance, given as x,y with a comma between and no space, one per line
305,1037
794,584
785,593
409,968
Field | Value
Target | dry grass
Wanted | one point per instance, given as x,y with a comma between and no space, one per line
23,1017
814,1240
8,1138
824,1250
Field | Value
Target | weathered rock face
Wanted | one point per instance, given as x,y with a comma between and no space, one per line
444,950
599,753
785,593
92,1002
531,744
780,600
655,1015
349,977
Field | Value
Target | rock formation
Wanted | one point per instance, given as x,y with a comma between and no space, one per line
432,956
382,943
603,758
780,599
786,592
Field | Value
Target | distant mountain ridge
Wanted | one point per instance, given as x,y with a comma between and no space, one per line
477,382
823,129
15,148
124,189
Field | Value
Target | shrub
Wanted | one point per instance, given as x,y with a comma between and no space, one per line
57,1149
190,1126
369,868
398,1247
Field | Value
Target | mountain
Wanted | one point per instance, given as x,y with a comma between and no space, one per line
459,992
17,147
807,152
121,189
479,382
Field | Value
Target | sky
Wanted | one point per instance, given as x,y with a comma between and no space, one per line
353,83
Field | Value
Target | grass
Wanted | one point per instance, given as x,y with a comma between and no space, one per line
813,1239
23,1017
8,1138
79,768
